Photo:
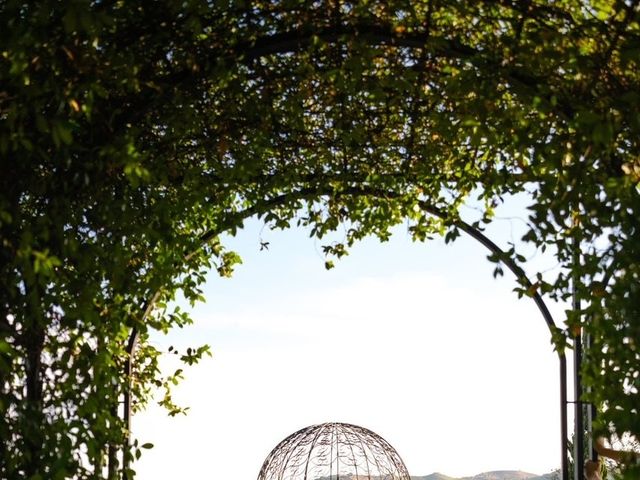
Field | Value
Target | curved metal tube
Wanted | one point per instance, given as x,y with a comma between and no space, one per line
465,227
295,41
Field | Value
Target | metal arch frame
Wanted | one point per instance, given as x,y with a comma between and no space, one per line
296,40
311,193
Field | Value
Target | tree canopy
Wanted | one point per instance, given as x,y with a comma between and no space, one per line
133,134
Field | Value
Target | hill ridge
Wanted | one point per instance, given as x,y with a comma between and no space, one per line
491,475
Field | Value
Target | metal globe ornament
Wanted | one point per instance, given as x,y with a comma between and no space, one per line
334,451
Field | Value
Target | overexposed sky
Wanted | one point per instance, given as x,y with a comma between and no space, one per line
416,342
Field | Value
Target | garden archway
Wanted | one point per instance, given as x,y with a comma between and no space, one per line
341,36
474,233
139,128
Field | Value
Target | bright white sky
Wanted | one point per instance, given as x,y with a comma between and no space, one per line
416,342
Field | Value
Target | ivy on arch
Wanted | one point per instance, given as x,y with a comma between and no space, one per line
130,130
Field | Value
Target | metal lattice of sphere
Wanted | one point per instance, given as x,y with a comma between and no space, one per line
333,451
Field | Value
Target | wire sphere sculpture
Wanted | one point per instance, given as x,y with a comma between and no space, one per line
334,451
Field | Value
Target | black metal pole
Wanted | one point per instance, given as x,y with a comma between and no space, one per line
578,437
564,421
590,412
131,350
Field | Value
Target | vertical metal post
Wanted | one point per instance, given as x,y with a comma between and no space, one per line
578,438
590,412
592,416
132,344
564,434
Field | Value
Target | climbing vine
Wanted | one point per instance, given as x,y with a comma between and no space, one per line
133,134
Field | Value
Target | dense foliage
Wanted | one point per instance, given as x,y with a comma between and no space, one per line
133,133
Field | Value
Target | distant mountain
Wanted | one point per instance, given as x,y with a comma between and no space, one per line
503,475
434,476
497,475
